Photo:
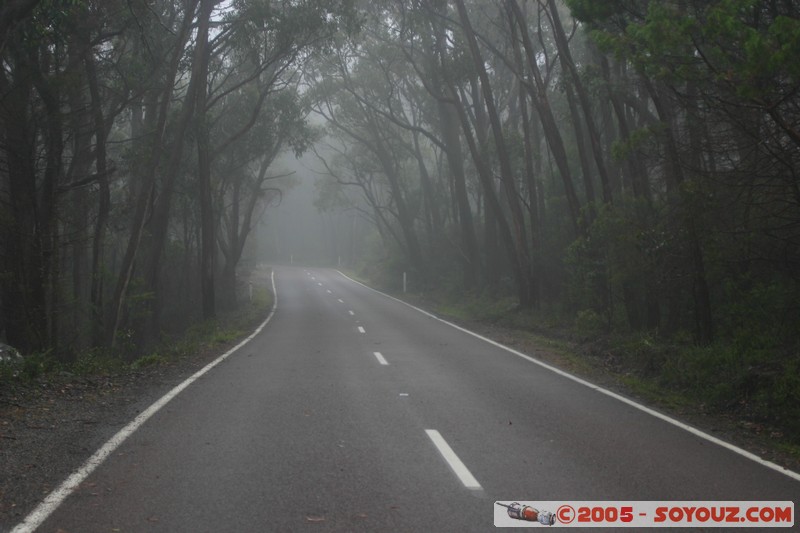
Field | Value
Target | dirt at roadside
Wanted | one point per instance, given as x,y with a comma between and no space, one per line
48,428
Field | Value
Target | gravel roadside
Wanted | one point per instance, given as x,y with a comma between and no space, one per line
48,428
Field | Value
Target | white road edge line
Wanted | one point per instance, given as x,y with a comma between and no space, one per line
381,359
53,500
694,431
459,468
361,329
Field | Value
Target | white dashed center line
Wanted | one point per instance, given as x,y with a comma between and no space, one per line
460,470
361,329
382,360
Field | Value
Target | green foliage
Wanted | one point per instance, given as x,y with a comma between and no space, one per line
95,362
49,19
642,353
281,26
742,376
734,46
760,308
485,308
36,365
589,324
385,269
593,11
586,270
225,336
763,54
638,139
153,359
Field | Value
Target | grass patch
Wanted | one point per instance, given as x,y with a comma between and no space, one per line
651,392
153,359
225,336
482,308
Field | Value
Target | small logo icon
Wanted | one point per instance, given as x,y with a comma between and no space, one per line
528,513
565,514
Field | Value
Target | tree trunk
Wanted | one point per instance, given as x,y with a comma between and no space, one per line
565,56
549,124
512,196
704,324
493,210
449,124
455,161
146,189
104,206
208,238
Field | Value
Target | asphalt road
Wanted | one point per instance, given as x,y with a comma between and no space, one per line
306,429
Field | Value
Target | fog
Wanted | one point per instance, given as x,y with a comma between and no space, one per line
294,231
612,182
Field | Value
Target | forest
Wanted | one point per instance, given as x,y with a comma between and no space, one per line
626,167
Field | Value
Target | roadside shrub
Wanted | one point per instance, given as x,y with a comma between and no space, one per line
92,362
589,324
745,376
643,353
148,360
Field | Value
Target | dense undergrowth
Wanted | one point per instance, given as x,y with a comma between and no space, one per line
226,328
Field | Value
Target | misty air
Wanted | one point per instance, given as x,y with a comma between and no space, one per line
399,265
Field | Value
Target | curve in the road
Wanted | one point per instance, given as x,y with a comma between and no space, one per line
53,500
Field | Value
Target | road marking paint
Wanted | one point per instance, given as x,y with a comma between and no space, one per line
459,468
328,291
361,329
403,394
53,500
319,283
652,412
351,313
381,359
341,301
